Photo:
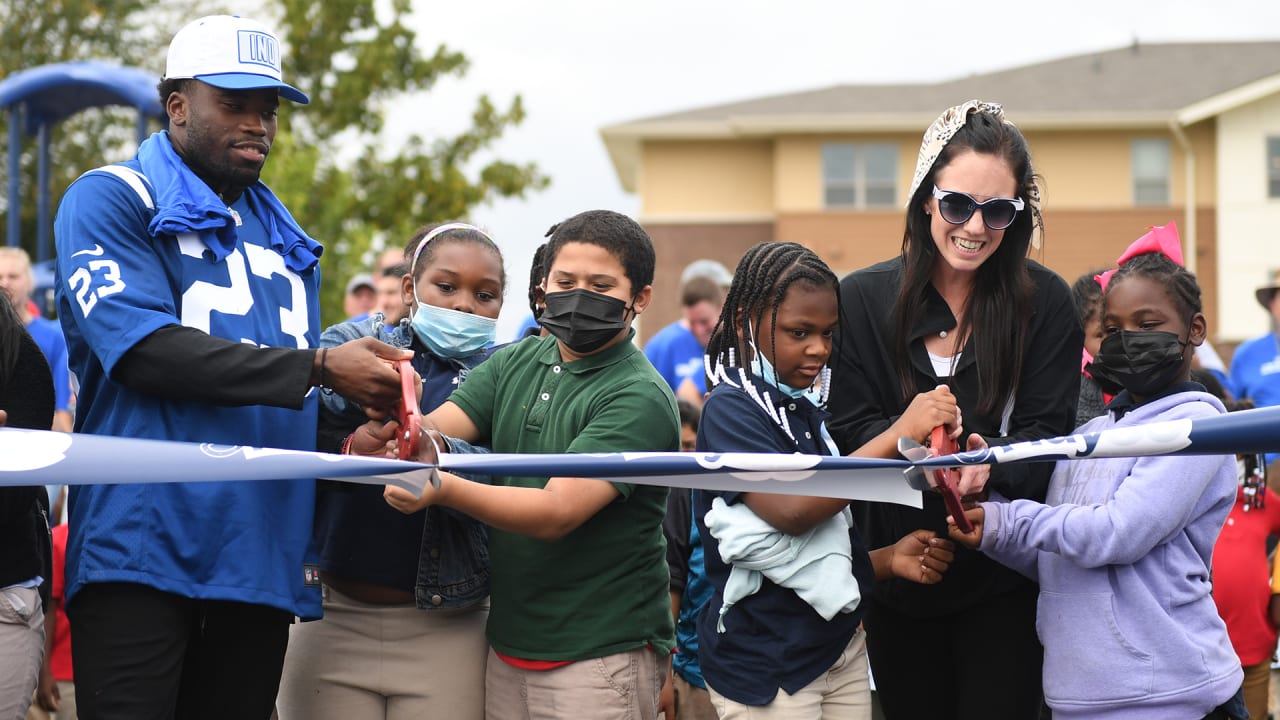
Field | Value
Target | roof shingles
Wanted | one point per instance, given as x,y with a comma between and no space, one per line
1143,78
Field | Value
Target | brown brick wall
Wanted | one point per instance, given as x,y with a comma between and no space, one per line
1078,241
677,245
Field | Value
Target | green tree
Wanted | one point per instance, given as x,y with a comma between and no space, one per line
353,64
53,31
352,58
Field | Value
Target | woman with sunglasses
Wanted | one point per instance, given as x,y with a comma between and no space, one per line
962,305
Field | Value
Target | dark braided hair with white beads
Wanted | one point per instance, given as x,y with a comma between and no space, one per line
760,284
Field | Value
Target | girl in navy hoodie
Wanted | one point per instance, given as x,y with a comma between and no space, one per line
781,635
1121,547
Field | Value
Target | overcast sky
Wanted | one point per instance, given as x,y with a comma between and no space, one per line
581,65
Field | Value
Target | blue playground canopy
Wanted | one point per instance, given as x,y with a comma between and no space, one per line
43,96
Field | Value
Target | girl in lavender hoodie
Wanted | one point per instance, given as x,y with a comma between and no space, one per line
1121,546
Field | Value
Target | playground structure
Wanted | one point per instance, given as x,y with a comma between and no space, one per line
38,98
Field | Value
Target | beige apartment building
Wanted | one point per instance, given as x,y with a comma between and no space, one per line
1137,136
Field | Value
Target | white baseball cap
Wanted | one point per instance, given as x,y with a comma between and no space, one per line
229,52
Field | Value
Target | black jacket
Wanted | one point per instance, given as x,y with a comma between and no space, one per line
27,397
866,398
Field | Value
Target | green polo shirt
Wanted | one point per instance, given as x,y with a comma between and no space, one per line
603,588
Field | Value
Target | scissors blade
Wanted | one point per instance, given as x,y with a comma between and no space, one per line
915,452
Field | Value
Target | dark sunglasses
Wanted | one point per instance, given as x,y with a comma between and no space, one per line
957,207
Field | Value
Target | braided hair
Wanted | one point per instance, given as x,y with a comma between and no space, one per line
1180,283
11,332
537,273
760,284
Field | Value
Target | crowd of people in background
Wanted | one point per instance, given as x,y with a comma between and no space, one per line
188,310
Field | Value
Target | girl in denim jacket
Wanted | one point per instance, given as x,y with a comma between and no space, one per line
405,596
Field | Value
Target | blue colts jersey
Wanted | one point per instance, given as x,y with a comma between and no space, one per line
116,284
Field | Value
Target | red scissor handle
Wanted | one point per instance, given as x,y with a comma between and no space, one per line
940,443
410,416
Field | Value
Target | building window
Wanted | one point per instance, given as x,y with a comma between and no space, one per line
1273,167
859,175
1151,172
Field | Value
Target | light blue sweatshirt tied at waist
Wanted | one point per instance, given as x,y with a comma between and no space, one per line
817,565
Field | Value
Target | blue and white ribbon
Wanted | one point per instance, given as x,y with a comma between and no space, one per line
34,457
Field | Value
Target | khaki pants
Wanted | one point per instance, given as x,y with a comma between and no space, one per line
843,691
623,686
392,661
21,648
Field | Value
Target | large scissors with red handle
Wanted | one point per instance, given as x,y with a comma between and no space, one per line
941,443
409,439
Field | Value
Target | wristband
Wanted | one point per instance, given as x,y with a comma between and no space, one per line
324,353
346,444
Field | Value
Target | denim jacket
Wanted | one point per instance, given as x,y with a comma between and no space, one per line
453,559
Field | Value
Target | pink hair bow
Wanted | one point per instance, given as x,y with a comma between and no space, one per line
1162,239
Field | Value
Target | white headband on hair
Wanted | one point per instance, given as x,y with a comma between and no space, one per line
443,229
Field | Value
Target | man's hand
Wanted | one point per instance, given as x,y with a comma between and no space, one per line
361,371
4,418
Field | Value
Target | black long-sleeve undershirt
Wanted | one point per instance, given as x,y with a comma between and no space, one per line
182,363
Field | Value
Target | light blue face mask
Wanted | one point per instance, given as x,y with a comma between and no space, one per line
764,370
452,333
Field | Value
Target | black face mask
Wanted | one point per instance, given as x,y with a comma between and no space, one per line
583,320
1143,362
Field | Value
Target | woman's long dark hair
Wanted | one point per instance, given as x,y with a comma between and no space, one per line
11,332
998,310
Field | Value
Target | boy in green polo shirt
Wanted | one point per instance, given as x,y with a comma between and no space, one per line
579,566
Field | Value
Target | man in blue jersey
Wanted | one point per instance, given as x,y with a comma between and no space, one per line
189,299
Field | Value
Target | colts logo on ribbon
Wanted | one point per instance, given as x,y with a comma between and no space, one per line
259,48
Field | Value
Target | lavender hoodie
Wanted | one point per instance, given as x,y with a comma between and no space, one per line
1121,551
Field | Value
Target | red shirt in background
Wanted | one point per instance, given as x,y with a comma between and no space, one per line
1242,577
60,660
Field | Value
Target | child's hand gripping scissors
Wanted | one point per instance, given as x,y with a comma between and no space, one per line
412,427
940,443
409,439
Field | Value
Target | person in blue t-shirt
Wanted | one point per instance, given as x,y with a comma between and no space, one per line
1255,365
677,349
782,631
406,596
189,298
